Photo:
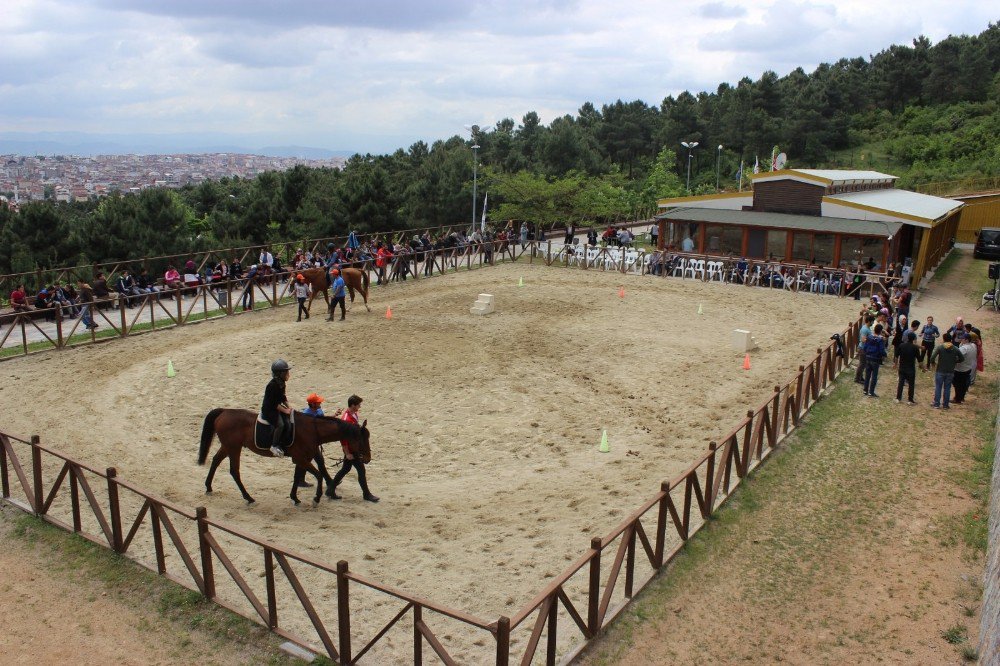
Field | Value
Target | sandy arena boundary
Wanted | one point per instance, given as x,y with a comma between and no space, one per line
485,430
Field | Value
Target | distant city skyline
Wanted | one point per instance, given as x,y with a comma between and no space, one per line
376,75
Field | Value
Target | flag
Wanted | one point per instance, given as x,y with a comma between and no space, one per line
482,226
774,159
756,164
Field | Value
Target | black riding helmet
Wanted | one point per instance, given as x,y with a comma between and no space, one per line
280,366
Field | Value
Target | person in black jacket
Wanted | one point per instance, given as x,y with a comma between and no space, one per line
907,355
274,408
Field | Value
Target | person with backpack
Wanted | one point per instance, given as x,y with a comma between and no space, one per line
874,349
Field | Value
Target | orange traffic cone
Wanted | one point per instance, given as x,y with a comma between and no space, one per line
746,362
388,313
621,292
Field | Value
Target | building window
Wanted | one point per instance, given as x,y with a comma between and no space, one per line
723,239
823,249
776,243
802,247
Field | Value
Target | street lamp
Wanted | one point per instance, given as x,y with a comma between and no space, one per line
475,163
718,158
690,146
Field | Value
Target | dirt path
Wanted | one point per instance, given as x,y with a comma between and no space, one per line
849,547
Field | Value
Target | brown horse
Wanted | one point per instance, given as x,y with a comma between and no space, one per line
356,279
235,428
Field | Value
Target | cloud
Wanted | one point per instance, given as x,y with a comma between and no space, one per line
349,72
720,10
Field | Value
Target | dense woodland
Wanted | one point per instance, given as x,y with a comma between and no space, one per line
927,113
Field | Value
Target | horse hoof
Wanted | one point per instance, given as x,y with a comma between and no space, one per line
208,492
297,502
250,500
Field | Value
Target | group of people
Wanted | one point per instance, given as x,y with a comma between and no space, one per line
276,412
888,329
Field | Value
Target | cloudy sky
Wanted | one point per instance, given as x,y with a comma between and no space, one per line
374,75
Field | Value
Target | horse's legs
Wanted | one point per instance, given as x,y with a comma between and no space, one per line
234,470
300,475
216,459
350,290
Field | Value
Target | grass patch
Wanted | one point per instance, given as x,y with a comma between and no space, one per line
947,266
130,583
955,634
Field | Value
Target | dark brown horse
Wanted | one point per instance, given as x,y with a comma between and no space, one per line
355,278
235,428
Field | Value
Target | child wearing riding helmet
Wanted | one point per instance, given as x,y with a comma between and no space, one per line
302,293
274,408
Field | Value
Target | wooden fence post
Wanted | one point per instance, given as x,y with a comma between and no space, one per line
4,479
503,641
115,510
550,643
418,640
661,526
201,513
343,612
179,296
272,600
710,479
775,415
124,316
60,343
36,474
594,593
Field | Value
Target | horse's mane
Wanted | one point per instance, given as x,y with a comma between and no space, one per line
349,429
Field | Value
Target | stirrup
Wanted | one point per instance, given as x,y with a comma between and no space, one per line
277,452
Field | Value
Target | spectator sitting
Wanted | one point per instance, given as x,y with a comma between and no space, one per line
43,301
19,300
172,279
144,283
63,298
102,294
125,286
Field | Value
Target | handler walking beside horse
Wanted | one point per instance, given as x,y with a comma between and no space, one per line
338,287
351,460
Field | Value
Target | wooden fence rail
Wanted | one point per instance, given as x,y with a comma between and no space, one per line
581,601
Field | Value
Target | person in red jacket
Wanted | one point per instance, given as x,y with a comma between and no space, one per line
351,416
19,299
382,258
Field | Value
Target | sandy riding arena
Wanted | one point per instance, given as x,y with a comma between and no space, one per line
485,430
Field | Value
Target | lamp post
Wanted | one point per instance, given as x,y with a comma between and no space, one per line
690,145
475,164
718,159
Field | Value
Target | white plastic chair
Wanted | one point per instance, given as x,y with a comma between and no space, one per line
593,256
755,276
680,267
631,259
715,271
696,268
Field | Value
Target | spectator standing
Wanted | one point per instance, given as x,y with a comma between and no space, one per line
863,334
654,233
908,355
928,334
248,288
874,349
963,369
592,237
86,300
947,357
524,234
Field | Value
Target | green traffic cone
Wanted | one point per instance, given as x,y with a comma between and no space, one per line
170,369
700,311
604,448
520,282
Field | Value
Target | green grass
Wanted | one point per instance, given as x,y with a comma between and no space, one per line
138,587
955,634
947,266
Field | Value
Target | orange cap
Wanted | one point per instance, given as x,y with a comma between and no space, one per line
300,276
314,399
334,272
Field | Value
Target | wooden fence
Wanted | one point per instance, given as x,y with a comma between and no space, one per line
111,512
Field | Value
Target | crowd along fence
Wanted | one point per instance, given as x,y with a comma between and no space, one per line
121,316
568,613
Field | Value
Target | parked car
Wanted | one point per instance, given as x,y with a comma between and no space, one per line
987,243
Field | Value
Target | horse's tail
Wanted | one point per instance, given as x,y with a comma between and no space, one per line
207,432
365,278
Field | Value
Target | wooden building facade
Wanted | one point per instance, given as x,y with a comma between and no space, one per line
827,218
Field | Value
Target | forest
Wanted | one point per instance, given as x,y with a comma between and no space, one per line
924,112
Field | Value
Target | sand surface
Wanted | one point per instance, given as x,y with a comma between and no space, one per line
484,429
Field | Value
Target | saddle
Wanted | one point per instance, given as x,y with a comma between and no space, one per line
263,433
